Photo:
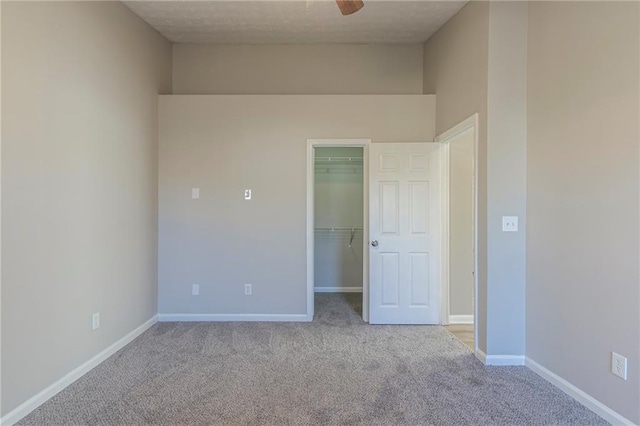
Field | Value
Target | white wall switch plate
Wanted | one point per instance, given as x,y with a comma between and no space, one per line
509,223
247,289
247,194
619,365
95,321
195,193
195,289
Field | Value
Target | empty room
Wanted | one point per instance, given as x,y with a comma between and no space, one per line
320,212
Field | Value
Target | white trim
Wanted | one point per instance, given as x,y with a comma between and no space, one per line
338,289
365,231
359,143
504,360
499,360
579,395
461,127
460,319
40,398
310,229
445,294
233,317
469,123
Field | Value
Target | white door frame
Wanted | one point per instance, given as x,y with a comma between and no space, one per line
444,139
337,143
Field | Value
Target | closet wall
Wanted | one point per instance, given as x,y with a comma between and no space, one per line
338,219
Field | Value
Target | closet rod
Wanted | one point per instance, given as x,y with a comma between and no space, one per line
337,228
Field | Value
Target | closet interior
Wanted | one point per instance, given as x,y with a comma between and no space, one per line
338,214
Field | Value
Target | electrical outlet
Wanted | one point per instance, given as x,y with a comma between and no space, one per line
619,365
195,193
195,289
95,321
247,194
247,289
509,223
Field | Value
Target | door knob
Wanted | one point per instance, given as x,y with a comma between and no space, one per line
374,243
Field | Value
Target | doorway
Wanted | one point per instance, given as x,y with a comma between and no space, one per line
460,248
338,236
337,223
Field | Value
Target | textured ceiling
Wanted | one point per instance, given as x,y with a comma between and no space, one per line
294,21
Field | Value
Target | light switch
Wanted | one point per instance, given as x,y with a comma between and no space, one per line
509,223
247,194
195,193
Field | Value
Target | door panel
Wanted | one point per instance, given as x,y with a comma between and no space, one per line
389,208
404,227
419,264
390,271
419,207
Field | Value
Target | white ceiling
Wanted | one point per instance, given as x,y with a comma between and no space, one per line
294,21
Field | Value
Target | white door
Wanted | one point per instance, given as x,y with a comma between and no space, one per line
404,241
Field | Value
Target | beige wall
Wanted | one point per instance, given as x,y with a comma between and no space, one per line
458,54
582,196
560,104
461,217
430,65
476,63
506,154
297,69
79,173
224,144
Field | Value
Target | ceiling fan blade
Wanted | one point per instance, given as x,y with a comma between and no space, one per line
347,7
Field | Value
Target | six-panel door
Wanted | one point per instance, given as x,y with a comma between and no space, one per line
404,233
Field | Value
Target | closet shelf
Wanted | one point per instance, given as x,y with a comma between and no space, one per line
338,228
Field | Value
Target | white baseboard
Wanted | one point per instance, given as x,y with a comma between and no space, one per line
579,395
337,289
40,398
504,360
233,317
499,360
460,319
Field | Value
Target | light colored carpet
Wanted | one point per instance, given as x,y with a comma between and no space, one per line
336,370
